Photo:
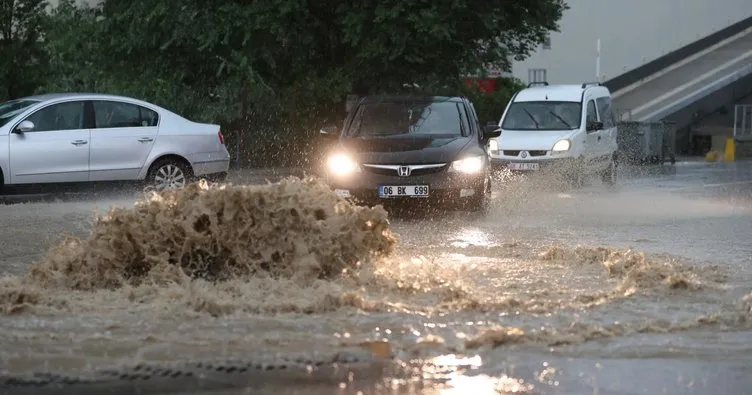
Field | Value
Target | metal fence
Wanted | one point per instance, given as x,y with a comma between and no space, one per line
743,122
647,142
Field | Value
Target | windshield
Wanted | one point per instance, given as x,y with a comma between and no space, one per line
10,109
387,119
543,115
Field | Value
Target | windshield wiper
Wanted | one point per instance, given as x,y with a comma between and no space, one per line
531,117
561,119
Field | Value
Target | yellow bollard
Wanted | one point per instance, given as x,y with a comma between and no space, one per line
711,156
730,151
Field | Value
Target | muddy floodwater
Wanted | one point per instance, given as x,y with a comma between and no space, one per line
641,289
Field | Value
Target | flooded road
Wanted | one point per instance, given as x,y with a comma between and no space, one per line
646,288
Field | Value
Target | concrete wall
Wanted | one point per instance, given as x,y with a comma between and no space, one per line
632,33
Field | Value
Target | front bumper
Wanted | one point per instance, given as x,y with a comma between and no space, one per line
201,169
546,165
444,187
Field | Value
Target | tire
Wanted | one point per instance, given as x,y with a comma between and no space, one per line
575,175
609,175
168,174
575,179
480,203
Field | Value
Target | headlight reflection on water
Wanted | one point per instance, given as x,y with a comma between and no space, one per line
450,371
467,236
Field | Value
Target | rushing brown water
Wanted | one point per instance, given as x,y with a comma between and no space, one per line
290,270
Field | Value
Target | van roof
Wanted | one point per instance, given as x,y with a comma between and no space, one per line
564,92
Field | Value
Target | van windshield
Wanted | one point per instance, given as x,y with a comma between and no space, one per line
543,115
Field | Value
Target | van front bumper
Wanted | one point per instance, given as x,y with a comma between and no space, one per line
547,164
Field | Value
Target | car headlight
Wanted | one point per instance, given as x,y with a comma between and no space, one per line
468,165
493,145
341,165
562,145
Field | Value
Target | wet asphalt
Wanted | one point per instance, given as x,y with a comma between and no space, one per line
697,210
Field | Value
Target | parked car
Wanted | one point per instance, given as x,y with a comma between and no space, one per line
82,138
409,149
571,128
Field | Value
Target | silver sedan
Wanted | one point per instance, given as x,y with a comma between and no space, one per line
82,138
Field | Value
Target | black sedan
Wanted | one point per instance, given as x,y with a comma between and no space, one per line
412,148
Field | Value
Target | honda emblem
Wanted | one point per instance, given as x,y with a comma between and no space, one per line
404,171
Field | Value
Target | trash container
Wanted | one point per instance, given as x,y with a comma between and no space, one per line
640,142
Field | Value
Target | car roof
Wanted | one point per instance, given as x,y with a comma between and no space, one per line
563,92
84,96
408,98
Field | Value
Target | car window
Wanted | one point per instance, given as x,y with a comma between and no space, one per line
12,108
592,115
112,114
396,118
543,115
605,109
61,116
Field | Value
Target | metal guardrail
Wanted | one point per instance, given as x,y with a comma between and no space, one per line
743,122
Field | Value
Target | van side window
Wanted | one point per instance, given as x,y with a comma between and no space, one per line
592,115
607,112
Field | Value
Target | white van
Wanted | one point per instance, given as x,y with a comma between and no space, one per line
570,128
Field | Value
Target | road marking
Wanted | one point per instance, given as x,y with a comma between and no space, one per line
662,72
694,81
730,183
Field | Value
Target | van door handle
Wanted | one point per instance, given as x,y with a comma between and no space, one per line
599,138
145,139
79,142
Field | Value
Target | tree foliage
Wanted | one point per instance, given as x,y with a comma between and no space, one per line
22,59
276,69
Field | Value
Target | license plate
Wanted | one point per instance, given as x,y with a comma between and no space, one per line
522,166
387,191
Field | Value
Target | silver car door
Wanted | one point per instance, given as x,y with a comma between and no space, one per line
121,140
591,138
55,150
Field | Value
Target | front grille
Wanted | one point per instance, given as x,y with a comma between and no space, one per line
414,172
432,170
531,153
380,171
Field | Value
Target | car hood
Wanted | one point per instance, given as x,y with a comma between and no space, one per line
405,149
531,139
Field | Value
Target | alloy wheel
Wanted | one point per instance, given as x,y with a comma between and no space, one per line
169,176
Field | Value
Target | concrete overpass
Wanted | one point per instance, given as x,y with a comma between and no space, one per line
695,87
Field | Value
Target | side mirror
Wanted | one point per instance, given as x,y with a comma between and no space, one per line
491,131
594,126
23,127
329,131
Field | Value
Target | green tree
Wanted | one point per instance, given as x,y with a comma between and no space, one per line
22,61
276,69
